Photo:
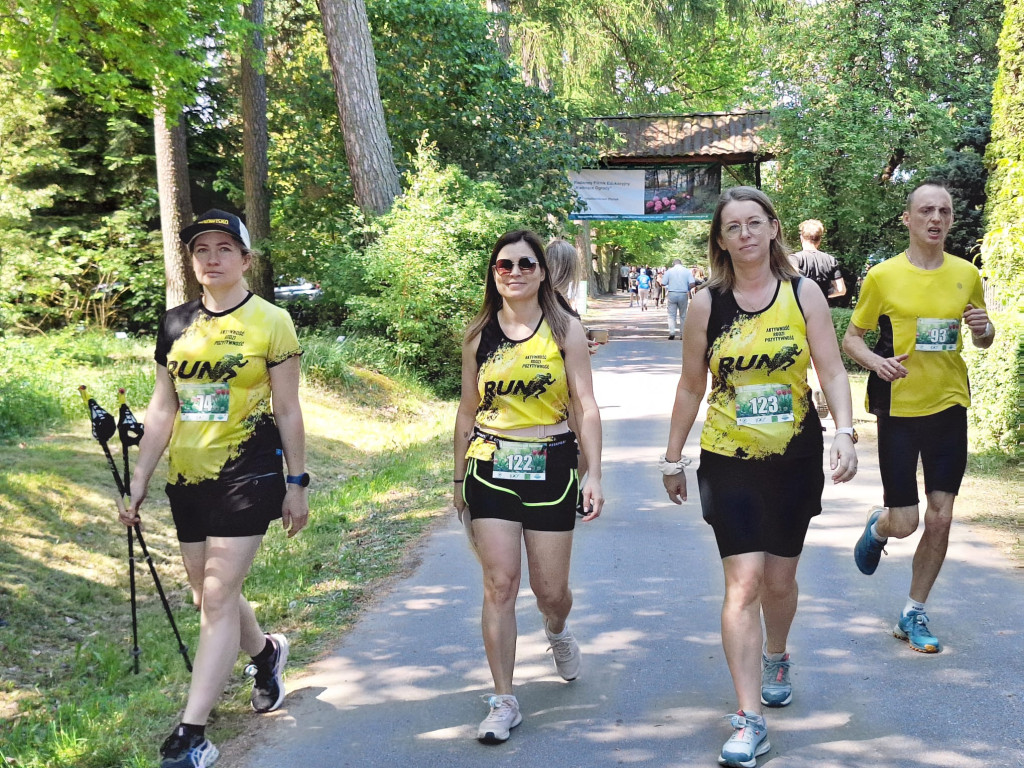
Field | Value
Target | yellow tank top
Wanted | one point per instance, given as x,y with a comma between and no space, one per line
521,383
759,406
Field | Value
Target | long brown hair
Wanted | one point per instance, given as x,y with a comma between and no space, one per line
723,276
552,304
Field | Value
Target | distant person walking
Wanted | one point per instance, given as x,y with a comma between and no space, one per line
525,359
678,281
227,401
815,264
760,476
823,269
623,277
643,285
920,301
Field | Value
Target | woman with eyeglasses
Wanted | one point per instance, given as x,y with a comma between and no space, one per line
525,366
756,326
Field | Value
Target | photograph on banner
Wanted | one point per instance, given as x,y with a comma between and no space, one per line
679,192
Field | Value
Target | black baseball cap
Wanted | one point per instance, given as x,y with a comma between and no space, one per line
215,220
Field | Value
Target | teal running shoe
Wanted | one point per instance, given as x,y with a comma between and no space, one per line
914,629
749,741
868,550
776,688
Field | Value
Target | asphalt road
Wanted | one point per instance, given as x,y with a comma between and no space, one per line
406,685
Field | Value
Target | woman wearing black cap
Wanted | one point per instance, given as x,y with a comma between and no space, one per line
219,360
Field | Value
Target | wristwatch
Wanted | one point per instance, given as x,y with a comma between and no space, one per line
300,480
847,431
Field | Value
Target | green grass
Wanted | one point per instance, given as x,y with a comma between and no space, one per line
380,453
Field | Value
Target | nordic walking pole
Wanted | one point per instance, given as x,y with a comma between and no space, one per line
126,429
103,428
130,430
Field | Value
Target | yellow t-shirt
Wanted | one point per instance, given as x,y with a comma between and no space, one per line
919,312
219,364
759,406
521,383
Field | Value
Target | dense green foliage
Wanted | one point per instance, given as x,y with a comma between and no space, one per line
1004,239
840,320
868,96
997,387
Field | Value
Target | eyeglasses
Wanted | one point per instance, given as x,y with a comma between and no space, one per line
505,266
754,228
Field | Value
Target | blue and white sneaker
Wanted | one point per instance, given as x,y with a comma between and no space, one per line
776,687
868,550
914,629
749,741
187,750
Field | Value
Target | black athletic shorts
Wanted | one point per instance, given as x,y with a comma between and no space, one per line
940,439
242,507
539,505
756,506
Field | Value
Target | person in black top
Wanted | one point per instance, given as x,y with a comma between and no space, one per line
817,265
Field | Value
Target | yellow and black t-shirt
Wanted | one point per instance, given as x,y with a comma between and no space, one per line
219,365
521,383
760,405
919,312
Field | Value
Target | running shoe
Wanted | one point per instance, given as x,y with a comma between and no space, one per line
503,717
868,550
268,678
183,749
914,629
566,651
776,688
749,741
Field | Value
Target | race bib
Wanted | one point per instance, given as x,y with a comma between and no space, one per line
936,334
521,461
204,402
764,404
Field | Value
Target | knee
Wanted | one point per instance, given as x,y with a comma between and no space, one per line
501,588
218,599
779,588
938,521
902,525
554,601
744,592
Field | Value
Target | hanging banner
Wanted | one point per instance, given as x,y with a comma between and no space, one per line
653,194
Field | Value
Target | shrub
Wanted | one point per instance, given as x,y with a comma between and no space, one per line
422,278
997,386
840,319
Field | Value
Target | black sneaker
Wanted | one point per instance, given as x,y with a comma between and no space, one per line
268,681
183,749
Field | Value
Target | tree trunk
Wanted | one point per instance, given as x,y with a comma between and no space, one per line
354,71
175,206
255,142
502,39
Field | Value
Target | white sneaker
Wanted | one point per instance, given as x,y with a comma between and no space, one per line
566,652
503,717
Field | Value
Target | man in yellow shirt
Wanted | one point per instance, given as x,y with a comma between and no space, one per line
918,390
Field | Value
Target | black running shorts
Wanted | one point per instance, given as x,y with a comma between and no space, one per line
243,507
538,505
939,439
756,506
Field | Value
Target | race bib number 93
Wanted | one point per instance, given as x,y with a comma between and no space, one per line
935,334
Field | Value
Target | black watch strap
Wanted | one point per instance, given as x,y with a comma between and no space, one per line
300,480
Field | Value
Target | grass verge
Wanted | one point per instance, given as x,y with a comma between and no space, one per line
380,456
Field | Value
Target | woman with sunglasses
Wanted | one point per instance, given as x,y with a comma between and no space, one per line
756,325
525,365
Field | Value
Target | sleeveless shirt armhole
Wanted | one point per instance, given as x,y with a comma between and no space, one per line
797,282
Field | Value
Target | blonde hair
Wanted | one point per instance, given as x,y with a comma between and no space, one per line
563,265
723,276
812,230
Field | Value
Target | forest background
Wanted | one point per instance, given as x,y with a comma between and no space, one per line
379,149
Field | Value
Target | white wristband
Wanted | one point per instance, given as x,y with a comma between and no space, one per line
672,467
847,431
